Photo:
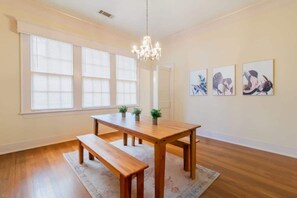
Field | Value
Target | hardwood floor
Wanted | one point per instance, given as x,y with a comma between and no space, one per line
43,172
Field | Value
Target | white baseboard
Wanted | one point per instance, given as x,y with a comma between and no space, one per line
278,149
20,146
282,150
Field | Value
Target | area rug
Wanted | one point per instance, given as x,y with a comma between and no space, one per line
100,182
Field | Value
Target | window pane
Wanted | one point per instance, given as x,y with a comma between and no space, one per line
96,85
39,100
51,74
87,85
105,86
67,101
50,56
133,98
127,99
127,87
51,91
54,100
126,74
95,63
105,99
120,99
66,84
54,83
120,87
96,92
96,100
88,99
96,75
39,82
133,87
126,68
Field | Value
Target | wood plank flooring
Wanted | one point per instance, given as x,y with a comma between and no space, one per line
43,172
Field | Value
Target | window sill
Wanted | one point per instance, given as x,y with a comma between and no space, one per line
72,111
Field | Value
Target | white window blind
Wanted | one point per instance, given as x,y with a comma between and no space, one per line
96,78
51,74
126,77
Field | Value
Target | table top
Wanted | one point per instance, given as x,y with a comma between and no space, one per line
144,128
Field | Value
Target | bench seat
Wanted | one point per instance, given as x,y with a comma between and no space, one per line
183,143
120,163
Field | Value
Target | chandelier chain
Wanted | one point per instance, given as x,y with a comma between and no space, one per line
147,17
146,50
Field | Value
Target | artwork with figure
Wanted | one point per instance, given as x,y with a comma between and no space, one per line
223,81
198,83
258,78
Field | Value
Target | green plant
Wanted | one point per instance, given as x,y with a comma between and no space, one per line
123,109
156,113
136,111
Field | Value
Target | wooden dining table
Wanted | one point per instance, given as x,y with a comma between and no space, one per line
165,132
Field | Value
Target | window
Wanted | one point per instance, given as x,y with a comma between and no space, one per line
96,78
60,76
126,80
51,74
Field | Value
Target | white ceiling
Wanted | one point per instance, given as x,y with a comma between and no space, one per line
166,17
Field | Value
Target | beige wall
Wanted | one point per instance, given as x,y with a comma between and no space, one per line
268,31
24,131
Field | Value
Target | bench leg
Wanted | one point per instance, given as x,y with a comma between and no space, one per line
125,186
139,141
125,139
91,157
133,140
186,153
81,152
140,184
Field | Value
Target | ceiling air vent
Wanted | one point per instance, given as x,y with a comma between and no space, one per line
106,14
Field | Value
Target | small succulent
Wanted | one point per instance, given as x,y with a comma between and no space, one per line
136,111
156,113
123,109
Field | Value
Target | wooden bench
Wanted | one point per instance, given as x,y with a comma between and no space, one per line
183,143
123,165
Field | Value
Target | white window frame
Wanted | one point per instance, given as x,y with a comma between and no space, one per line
137,82
49,74
97,78
77,78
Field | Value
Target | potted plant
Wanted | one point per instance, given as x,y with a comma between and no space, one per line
156,113
137,112
123,110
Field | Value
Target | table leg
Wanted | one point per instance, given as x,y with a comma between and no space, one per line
139,141
95,127
160,149
91,157
133,140
193,154
81,152
125,139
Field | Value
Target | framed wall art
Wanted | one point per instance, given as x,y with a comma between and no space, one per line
258,78
198,82
223,81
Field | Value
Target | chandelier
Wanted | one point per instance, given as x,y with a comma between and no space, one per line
147,51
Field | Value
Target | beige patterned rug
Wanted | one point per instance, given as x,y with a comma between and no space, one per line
100,182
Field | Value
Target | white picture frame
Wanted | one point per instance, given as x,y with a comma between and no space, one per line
258,78
198,82
223,81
